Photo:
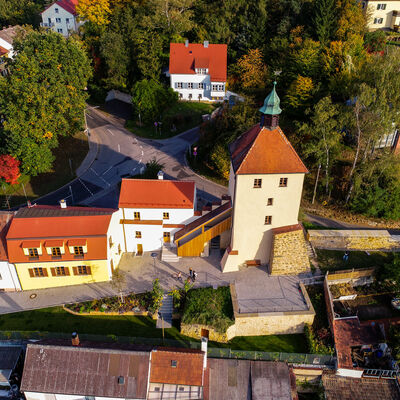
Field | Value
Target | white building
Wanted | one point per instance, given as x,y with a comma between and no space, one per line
265,184
384,14
6,46
9,281
61,17
152,211
198,71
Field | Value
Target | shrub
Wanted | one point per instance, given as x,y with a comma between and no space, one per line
156,296
315,345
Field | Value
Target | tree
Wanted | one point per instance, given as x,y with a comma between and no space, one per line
252,70
324,20
20,12
95,11
42,97
219,156
375,41
9,169
351,19
325,133
118,281
300,92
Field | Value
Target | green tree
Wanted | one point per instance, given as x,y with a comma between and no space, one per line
20,12
324,20
42,97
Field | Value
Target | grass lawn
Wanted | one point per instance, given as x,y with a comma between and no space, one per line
73,148
331,260
55,319
184,115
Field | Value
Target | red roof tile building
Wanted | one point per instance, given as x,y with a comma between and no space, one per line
198,71
61,17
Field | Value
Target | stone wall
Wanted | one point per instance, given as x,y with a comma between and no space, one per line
194,331
289,253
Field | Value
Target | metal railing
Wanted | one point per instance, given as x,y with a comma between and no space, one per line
213,352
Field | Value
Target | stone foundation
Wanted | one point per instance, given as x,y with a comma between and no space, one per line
194,331
289,252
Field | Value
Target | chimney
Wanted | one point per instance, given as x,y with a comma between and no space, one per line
160,175
75,339
63,203
204,345
186,43
206,43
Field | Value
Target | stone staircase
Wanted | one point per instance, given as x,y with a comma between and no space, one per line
165,312
168,254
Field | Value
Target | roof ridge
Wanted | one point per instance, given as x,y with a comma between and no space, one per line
250,149
291,146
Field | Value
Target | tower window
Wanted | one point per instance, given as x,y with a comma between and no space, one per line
283,182
270,201
136,215
268,220
138,235
257,183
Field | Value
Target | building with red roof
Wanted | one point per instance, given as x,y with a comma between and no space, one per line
59,245
198,71
61,17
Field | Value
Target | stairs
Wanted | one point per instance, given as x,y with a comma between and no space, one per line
168,254
215,243
165,312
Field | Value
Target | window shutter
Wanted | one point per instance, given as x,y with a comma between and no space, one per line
31,274
176,85
75,270
45,272
66,271
53,271
89,270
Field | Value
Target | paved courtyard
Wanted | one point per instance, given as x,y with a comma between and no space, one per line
257,291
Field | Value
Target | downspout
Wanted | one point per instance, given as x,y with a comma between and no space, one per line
123,229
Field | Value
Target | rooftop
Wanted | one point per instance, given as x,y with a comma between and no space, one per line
264,151
67,5
156,193
85,371
184,60
7,34
8,360
5,221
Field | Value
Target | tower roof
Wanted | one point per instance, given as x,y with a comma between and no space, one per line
264,151
271,103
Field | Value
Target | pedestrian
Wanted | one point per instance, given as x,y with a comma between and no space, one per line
190,272
194,275
346,256
180,276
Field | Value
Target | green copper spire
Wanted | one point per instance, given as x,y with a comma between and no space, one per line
271,103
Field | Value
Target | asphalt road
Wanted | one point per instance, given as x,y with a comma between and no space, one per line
121,153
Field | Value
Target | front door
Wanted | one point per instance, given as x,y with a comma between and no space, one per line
139,251
167,237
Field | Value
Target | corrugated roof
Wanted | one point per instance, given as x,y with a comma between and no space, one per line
156,193
178,367
345,388
85,371
184,60
264,151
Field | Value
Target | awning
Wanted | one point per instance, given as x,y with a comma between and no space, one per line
54,243
77,242
31,244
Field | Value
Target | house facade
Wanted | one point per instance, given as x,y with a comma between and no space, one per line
6,46
61,17
198,71
265,184
383,14
59,246
152,211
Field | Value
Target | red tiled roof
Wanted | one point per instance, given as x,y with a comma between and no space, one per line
188,370
184,60
264,151
3,51
77,242
156,193
5,221
67,5
53,243
287,228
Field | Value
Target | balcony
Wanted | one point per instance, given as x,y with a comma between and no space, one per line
47,24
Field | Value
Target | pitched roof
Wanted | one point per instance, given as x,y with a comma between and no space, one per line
3,51
156,193
184,60
345,388
54,222
5,221
7,34
9,357
188,369
264,151
67,5
85,371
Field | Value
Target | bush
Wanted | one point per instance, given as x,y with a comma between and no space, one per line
315,346
212,307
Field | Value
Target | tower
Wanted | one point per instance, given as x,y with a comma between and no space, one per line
265,184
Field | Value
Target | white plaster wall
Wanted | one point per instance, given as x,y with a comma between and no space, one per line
250,236
231,187
63,14
115,231
8,277
386,14
7,46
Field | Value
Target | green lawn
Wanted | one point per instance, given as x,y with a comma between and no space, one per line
57,320
73,148
331,260
184,115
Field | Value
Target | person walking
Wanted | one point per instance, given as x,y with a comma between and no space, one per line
194,275
180,276
191,273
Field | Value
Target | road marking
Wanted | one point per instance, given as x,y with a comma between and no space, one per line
79,179
110,132
88,115
142,152
100,176
119,148
106,170
94,171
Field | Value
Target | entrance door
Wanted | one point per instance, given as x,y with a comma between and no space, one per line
167,237
139,251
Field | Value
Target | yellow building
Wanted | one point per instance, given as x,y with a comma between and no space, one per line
59,246
383,14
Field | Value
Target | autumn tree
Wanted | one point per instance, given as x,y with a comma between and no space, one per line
43,97
9,169
20,12
252,70
324,20
300,92
94,11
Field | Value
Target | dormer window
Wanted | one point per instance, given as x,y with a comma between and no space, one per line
56,252
202,71
77,247
33,252
78,250
54,248
32,249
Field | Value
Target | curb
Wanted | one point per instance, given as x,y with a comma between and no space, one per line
88,155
